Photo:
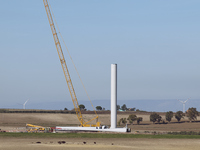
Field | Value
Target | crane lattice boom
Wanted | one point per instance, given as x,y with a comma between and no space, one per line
64,66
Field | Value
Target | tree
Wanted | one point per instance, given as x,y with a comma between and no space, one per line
159,119
124,120
119,122
65,108
132,109
169,115
132,118
118,107
124,107
192,114
139,119
82,107
155,117
179,115
98,108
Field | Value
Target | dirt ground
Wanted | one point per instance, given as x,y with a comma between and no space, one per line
17,121
99,144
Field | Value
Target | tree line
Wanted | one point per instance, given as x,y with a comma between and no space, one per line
191,113
131,118
122,108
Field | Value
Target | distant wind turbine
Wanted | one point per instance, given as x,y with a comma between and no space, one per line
183,102
25,104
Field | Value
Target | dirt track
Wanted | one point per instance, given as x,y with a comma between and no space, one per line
115,144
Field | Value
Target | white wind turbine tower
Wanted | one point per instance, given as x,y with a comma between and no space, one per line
25,104
183,102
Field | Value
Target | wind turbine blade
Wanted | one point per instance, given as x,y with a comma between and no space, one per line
187,100
179,101
26,102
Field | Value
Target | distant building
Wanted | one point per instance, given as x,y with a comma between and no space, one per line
121,110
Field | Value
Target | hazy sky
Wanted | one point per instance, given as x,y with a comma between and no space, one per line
155,44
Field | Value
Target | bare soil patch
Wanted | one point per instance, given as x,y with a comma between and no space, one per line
115,144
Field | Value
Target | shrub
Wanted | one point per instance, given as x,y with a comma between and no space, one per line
169,115
179,115
192,114
154,117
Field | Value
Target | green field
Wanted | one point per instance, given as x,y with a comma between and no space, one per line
93,135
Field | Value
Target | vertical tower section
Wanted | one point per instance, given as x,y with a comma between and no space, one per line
113,96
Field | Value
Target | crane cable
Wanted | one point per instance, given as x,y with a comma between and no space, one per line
71,58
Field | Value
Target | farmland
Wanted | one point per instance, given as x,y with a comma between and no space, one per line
16,120
146,135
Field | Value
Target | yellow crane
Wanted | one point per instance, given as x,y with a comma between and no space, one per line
65,70
34,128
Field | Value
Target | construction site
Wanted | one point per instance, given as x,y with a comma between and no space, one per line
84,125
22,129
94,124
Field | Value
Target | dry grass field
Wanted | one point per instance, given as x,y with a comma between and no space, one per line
14,120
17,121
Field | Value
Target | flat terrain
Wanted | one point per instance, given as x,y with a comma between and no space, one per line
17,121
112,144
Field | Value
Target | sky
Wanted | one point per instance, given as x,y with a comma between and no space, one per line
154,43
